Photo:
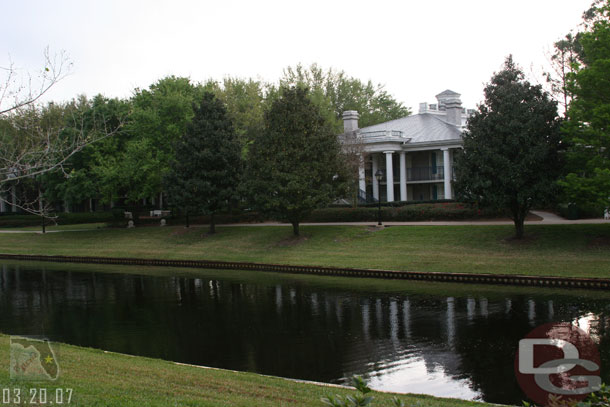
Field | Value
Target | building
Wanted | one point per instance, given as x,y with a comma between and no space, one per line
415,153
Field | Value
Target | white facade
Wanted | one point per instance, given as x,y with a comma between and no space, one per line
415,153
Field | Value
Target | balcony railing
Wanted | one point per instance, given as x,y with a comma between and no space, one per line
425,173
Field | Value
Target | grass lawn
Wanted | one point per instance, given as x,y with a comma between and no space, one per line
555,250
107,379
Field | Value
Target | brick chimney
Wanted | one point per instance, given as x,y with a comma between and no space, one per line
350,121
450,102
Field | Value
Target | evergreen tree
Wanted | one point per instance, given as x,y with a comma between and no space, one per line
295,163
204,174
510,156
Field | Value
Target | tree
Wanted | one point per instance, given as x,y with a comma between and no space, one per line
37,139
245,102
510,156
205,171
336,92
158,117
295,164
587,130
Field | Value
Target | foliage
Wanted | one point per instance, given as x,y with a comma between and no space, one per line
510,157
295,164
406,213
245,102
205,171
336,92
360,399
587,131
159,116
599,398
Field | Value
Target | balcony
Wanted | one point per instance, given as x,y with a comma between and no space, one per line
425,173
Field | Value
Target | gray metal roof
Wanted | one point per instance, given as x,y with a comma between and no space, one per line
420,128
448,92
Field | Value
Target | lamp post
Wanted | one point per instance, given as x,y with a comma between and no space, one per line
379,176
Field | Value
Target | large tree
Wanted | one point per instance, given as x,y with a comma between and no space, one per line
204,174
510,156
159,116
587,130
295,163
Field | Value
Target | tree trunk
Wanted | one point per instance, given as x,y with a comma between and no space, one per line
519,228
295,227
212,225
187,219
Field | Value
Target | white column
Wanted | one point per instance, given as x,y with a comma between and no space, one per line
361,177
389,176
403,176
2,204
375,183
447,172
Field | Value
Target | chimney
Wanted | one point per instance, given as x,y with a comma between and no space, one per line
350,121
452,106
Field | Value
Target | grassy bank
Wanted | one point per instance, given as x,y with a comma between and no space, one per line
557,250
106,379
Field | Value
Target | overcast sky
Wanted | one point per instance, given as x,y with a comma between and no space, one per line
416,49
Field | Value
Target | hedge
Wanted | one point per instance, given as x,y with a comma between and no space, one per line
407,213
10,220
411,212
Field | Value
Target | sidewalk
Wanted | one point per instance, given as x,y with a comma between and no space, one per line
547,219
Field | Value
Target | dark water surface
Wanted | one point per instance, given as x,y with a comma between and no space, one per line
434,338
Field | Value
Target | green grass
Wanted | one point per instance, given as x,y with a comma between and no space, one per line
556,250
108,379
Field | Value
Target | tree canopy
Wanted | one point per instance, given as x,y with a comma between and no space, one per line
336,92
587,130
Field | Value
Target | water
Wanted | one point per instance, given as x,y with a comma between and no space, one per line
440,339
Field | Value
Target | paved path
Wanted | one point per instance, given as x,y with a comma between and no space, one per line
547,219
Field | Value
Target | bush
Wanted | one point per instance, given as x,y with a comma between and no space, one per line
8,221
581,211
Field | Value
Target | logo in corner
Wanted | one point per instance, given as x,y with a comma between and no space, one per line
557,359
33,359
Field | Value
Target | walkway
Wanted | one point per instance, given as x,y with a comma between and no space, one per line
547,219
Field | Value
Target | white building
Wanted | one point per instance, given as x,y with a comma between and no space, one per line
415,153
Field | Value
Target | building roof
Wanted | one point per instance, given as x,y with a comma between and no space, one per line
420,128
448,92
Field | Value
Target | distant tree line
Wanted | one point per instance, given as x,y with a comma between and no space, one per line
194,146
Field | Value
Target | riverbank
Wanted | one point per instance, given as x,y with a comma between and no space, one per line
547,250
110,379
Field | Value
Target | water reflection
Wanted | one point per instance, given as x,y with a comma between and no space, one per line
443,343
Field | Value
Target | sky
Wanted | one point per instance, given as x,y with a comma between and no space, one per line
416,49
